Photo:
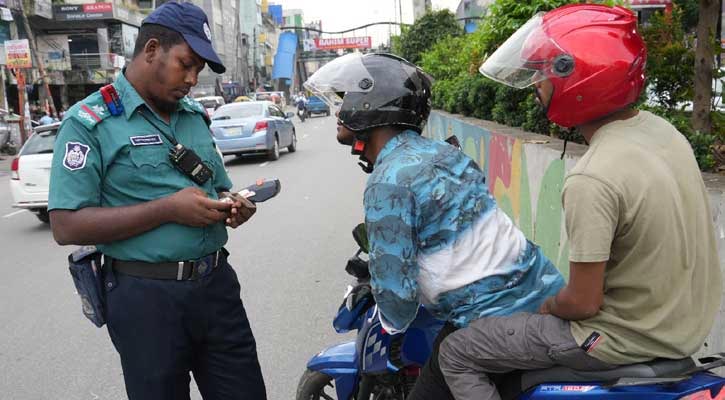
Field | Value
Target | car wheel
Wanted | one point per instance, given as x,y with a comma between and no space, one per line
327,113
293,146
43,215
273,153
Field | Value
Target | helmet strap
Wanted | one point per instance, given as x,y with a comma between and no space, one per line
366,165
358,146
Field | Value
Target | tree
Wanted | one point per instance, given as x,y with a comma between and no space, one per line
704,65
670,59
424,33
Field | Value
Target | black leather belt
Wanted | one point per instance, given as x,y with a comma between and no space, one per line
179,271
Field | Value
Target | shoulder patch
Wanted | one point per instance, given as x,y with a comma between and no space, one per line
76,154
90,111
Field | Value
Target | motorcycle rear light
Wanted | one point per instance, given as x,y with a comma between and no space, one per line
383,331
260,126
14,169
706,395
411,370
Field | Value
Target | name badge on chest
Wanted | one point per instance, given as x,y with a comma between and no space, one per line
146,140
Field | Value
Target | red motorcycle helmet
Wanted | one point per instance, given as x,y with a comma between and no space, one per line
592,54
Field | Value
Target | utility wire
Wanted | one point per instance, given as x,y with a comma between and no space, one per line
304,28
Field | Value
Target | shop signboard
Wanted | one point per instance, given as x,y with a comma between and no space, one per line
361,42
17,54
82,12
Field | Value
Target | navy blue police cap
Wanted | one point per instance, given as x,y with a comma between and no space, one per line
191,22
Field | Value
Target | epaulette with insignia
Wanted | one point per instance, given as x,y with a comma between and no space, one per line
194,106
90,111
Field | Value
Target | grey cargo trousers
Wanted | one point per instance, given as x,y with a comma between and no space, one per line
503,344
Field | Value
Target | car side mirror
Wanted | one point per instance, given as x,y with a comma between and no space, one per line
289,115
360,234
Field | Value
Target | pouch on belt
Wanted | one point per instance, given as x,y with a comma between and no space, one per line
85,268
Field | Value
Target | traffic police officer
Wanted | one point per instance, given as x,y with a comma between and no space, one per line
172,300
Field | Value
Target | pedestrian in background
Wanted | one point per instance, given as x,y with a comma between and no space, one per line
46,119
172,300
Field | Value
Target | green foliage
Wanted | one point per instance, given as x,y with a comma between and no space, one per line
690,14
445,60
670,60
453,60
506,16
424,33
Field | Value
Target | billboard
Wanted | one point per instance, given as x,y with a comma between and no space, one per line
17,54
82,12
361,42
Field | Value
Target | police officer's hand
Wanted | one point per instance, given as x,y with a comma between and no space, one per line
242,210
192,206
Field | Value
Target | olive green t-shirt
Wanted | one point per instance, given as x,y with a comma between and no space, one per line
637,200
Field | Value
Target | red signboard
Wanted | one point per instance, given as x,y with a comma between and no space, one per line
98,8
362,42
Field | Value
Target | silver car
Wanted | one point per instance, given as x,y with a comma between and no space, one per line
259,127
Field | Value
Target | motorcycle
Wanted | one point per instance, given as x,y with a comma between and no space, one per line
380,366
302,114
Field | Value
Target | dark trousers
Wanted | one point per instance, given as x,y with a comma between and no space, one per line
431,385
165,329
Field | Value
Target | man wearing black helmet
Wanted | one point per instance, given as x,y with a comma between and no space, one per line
436,236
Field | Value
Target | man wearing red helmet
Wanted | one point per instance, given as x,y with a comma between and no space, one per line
644,272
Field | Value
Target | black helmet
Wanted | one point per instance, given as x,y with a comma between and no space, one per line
374,90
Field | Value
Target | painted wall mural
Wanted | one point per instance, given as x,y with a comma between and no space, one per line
526,184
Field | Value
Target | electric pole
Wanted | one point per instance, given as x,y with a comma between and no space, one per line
38,59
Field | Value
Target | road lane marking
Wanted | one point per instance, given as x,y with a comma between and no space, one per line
14,213
263,164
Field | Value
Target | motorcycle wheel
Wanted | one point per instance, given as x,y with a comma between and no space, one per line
315,385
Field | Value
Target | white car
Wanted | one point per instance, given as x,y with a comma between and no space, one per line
211,103
30,172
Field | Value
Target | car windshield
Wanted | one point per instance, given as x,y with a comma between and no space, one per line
239,111
315,99
40,143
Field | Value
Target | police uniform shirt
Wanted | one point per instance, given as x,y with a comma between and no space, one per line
111,161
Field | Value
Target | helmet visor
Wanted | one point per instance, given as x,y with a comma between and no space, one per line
524,58
341,75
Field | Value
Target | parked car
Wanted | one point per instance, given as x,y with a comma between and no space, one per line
251,127
315,105
211,103
30,171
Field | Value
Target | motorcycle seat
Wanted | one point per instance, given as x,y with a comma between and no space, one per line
659,368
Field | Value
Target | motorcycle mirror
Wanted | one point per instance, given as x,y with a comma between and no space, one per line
360,234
